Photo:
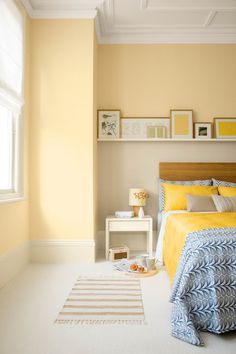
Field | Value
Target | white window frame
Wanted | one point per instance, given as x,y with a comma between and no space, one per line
15,104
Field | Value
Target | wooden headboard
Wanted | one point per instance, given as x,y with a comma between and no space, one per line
188,171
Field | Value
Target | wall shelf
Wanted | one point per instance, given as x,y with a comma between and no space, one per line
165,140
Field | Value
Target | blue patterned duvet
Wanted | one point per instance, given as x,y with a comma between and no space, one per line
204,288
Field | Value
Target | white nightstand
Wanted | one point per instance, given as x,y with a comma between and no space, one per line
114,224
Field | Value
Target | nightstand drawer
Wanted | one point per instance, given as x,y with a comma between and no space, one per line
141,225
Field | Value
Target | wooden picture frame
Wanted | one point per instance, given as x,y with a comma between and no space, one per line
108,124
145,128
225,128
203,130
181,123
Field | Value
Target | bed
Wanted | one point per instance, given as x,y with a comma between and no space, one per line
198,250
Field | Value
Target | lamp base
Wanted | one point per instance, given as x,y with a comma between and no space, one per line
141,212
138,211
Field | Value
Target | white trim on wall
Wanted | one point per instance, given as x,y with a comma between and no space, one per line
13,262
168,38
62,251
61,14
44,251
61,10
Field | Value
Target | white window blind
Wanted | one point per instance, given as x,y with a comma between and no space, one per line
6,149
11,99
11,47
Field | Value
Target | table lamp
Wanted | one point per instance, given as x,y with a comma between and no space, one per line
137,199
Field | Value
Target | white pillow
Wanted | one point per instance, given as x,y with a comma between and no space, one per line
224,204
198,203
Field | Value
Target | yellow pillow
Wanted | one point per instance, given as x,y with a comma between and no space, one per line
175,195
227,191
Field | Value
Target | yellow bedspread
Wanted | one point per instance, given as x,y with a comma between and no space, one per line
179,225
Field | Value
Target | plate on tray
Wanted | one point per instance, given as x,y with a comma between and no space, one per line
124,266
144,270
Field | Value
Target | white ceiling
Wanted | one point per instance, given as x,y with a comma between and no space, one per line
148,21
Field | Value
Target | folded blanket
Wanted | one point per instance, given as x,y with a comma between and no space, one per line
204,288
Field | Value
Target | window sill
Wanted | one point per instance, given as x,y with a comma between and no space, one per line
12,200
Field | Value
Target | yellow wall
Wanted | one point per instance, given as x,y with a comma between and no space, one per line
149,80
14,219
62,119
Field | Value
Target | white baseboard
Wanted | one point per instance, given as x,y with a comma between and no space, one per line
62,251
13,262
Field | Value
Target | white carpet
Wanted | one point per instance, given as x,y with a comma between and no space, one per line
31,302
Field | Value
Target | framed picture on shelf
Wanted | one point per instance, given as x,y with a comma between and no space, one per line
203,130
156,132
108,124
225,128
145,128
181,124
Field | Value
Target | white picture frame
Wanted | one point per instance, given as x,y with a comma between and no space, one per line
225,128
203,130
181,123
137,128
109,124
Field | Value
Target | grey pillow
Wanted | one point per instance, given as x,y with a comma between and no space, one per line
224,204
219,183
200,203
204,182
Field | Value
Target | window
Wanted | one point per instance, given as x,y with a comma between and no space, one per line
11,99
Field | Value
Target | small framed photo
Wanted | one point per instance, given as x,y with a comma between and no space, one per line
225,128
108,124
203,130
156,132
181,124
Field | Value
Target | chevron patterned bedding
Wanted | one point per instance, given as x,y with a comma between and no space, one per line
204,287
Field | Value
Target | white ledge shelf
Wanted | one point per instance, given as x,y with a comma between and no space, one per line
165,140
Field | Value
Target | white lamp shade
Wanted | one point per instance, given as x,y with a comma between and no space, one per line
137,197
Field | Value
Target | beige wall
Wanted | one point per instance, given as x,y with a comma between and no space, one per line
124,165
62,118
149,80
14,219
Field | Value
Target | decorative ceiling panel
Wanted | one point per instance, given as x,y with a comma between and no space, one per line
148,21
181,4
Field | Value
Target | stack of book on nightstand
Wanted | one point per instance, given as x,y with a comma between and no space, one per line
124,214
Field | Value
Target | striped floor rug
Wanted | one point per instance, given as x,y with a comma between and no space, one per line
103,300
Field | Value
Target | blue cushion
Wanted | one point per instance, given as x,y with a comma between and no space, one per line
218,183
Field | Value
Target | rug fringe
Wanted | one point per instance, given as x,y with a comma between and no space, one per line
101,322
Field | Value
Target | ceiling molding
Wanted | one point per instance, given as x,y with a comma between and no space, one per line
210,18
28,7
147,21
168,38
145,5
62,14
113,32
80,9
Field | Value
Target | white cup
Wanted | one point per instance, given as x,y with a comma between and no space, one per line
141,260
151,263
